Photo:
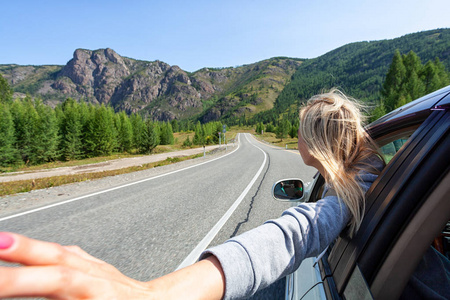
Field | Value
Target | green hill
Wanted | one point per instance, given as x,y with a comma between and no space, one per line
358,69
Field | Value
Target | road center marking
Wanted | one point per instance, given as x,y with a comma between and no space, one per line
195,254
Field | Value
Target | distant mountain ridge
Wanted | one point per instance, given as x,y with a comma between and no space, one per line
262,90
156,89
358,69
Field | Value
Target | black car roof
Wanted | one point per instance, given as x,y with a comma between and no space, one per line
411,113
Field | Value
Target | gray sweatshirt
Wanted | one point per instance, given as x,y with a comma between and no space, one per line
259,257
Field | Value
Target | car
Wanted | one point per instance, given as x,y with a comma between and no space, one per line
407,210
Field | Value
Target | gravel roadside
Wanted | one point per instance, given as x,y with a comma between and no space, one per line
103,166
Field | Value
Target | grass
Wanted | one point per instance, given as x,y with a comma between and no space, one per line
270,138
21,186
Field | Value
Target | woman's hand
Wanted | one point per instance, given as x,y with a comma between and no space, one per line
61,272
67,272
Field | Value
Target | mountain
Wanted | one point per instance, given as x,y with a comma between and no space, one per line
358,69
261,91
155,89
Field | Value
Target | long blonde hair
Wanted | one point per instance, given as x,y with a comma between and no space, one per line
331,126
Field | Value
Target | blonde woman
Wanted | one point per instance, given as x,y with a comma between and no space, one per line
331,139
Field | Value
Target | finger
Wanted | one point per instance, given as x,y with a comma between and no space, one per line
80,252
30,252
51,281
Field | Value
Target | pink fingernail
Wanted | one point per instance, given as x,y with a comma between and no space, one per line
6,240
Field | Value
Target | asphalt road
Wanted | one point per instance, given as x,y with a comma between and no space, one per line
147,228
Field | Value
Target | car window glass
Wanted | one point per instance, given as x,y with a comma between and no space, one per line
388,151
357,287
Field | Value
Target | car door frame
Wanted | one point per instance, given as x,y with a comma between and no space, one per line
364,252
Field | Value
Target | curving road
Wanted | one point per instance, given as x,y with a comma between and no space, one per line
150,227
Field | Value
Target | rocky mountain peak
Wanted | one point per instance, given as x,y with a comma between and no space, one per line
96,74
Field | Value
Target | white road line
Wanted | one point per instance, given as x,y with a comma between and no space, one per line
293,151
195,254
112,189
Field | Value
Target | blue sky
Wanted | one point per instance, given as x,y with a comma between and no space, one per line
205,33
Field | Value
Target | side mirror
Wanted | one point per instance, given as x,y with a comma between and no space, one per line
289,190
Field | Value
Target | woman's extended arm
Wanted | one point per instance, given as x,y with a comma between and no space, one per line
60,272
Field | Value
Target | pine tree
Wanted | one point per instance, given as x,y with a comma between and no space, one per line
88,133
114,131
25,125
166,134
412,63
150,137
258,128
283,129
138,126
293,132
414,87
393,84
71,131
378,111
125,133
430,78
402,100
101,133
187,142
442,73
199,137
6,92
8,153
46,138
175,125
270,127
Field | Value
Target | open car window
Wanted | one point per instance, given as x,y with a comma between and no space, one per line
390,149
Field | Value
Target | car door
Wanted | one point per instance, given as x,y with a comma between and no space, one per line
406,208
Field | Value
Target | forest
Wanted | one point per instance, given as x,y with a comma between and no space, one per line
358,69
33,133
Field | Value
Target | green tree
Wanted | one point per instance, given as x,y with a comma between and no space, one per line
150,137
283,129
6,92
46,137
199,136
412,63
393,84
378,111
71,130
270,127
25,125
293,132
88,131
8,153
101,132
259,128
402,100
175,125
442,73
138,127
414,87
430,77
125,132
187,142
166,134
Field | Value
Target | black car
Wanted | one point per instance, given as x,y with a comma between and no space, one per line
407,210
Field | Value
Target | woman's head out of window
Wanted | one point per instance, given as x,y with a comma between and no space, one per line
333,140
